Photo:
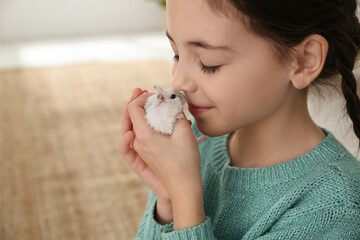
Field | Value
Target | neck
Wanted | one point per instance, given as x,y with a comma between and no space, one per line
286,134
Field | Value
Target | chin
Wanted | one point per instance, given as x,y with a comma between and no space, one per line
210,129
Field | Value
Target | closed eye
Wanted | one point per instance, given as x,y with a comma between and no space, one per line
209,69
204,68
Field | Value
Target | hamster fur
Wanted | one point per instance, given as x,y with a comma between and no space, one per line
163,109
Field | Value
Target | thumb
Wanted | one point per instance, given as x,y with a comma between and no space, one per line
126,143
182,127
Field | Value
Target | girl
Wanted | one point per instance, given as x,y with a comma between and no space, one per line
267,171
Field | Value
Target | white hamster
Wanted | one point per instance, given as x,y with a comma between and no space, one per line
163,109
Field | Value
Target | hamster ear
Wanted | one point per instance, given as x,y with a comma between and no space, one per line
158,88
161,97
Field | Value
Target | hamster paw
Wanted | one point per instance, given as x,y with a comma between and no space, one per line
180,115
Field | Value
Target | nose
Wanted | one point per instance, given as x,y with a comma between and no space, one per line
182,78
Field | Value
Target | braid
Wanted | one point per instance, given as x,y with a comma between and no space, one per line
345,52
348,86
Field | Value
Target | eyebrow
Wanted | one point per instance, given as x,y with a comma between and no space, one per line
201,44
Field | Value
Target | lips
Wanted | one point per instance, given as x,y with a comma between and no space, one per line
197,110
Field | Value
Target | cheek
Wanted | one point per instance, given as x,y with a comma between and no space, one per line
263,76
244,94
253,94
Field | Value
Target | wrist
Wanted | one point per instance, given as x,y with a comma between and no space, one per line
188,208
163,212
183,184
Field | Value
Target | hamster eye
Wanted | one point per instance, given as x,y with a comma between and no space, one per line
173,96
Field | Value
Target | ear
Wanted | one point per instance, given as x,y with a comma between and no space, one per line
158,89
160,97
310,60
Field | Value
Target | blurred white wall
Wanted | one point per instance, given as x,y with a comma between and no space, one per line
35,19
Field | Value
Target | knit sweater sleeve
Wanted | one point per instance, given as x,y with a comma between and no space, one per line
202,231
328,223
149,227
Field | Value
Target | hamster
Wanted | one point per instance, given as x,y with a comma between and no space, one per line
163,109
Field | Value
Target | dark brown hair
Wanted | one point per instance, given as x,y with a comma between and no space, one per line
287,23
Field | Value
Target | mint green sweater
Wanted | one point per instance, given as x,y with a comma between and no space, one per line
315,196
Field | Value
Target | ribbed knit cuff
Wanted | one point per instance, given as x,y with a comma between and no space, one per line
151,229
201,231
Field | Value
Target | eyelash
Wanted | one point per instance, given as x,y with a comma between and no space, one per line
209,69
204,68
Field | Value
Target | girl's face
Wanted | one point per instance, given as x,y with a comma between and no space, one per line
232,78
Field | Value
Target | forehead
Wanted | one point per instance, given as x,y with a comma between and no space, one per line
170,90
195,19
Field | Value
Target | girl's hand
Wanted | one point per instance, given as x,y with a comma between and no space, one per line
133,159
174,160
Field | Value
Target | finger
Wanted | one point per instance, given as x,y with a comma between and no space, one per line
136,92
125,141
137,164
126,124
137,112
131,157
141,99
182,128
